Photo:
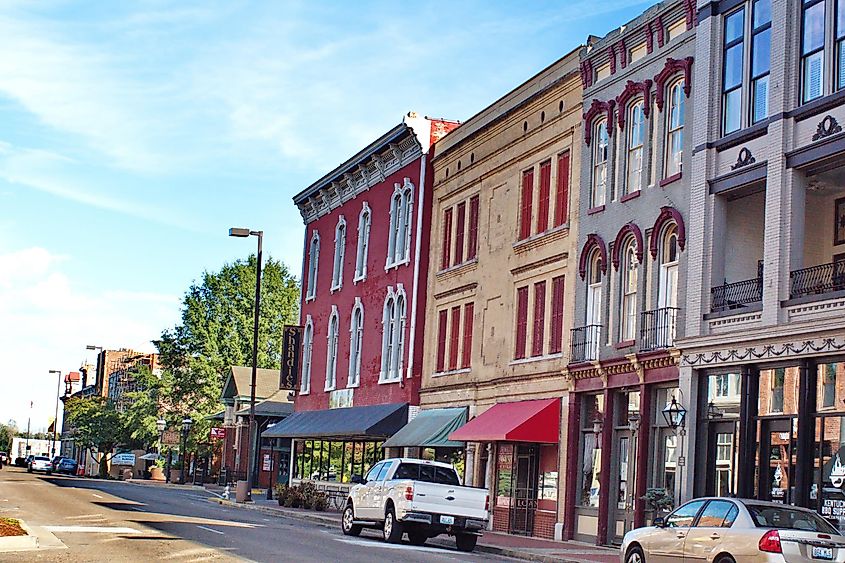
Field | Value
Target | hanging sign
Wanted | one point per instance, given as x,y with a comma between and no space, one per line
217,433
291,343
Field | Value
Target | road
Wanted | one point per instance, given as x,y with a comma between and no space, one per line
111,520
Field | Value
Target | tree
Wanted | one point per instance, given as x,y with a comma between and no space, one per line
215,333
6,434
144,406
97,426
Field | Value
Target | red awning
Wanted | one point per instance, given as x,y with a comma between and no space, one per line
521,421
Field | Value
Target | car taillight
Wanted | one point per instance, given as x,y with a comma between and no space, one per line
770,542
487,503
409,493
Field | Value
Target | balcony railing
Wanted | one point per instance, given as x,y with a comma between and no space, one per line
817,280
584,344
658,328
737,294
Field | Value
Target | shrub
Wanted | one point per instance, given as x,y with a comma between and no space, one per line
319,501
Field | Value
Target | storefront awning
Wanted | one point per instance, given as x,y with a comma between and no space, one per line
375,422
521,421
430,429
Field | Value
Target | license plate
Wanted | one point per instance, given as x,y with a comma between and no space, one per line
451,520
823,553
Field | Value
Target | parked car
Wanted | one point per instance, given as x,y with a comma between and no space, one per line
54,463
40,463
66,465
4,458
20,461
728,530
423,498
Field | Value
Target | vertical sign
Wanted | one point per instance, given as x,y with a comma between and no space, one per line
291,343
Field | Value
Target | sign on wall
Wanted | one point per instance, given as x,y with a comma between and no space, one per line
123,459
291,342
217,433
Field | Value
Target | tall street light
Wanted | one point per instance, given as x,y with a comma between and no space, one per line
186,429
243,233
56,419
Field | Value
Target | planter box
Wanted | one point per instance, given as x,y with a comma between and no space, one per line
156,473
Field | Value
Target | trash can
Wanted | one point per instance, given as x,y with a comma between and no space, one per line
241,491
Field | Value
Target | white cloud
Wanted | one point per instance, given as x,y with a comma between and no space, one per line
48,321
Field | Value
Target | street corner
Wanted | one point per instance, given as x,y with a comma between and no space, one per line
33,538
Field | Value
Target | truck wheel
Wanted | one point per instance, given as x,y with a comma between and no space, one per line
346,523
392,529
466,542
417,538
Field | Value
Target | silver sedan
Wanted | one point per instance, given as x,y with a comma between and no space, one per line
727,530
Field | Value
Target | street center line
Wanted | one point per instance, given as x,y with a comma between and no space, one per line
211,530
96,495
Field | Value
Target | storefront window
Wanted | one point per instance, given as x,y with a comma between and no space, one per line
592,417
827,492
778,391
665,441
622,497
504,475
828,389
324,460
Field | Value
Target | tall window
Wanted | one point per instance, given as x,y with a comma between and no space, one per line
562,191
667,284
363,243
442,320
675,129
521,322
472,239
401,210
628,312
466,348
339,253
393,337
537,336
307,349
446,249
545,196
636,138
460,232
454,337
313,262
526,204
600,147
812,50
556,328
745,83
594,307
331,351
356,342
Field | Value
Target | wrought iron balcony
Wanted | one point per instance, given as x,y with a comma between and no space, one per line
739,294
658,328
584,344
817,280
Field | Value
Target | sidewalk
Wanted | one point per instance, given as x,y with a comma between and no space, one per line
520,547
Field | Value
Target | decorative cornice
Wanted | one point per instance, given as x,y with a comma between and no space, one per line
631,90
669,69
667,214
596,109
765,352
623,52
649,37
539,263
456,290
689,12
593,241
587,73
631,363
661,31
611,54
627,229
827,127
743,159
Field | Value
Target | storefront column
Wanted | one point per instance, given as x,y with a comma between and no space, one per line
748,430
571,486
490,478
643,454
469,466
807,375
604,478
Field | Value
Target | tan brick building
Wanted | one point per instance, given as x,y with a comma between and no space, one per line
498,314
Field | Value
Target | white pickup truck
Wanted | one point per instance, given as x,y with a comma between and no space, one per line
423,498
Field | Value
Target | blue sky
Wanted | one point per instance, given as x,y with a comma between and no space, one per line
134,134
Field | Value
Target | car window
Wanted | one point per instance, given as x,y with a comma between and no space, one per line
683,517
446,476
715,514
371,475
39,458
788,518
407,471
427,473
385,469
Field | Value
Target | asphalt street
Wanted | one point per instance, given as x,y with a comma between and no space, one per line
116,521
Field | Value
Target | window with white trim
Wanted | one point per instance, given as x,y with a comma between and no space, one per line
356,343
636,140
628,302
822,48
307,349
393,336
313,262
401,214
600,148
331,351
675,130
339,253
364,220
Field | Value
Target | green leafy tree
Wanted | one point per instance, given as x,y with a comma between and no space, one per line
6,434
215,333
97,426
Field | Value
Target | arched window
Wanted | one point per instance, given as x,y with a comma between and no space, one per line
600,147
628,303
393,340
363,243
307,349
339,253
667,289
636,138
313,262
331,351
675,129
356,342
594,288
401,212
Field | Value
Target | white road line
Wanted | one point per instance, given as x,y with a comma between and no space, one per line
211,530
136,508
98,496
91,529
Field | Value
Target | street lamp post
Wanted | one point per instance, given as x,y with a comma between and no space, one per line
161,424
186,429
675,416
241,233
56,418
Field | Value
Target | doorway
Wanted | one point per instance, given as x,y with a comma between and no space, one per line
524,501
776,459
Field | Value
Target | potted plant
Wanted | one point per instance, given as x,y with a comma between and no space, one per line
659,499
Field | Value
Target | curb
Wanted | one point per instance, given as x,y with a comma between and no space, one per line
329,522
19,543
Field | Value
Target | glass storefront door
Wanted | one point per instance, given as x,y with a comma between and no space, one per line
776,459
624,464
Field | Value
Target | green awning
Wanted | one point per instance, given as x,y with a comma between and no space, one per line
430,429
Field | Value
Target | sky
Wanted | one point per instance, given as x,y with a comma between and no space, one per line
134,134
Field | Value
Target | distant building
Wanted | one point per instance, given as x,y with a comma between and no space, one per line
123,378
21,447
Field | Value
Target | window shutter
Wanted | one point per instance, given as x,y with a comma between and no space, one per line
562,195
545,194
556,330
441,340
454,338
521,322
446,259
472,242
526,204
537,336
459,233
466,350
